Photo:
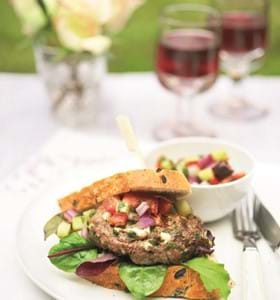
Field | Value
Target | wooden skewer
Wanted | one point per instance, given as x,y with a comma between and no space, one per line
129,136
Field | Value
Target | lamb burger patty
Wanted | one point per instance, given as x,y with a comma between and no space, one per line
173,240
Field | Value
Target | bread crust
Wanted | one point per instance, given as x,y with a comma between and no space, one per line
164,181
188,285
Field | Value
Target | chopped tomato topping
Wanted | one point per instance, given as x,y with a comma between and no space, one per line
132,199
153,204
214,181
164,206
110,204
119,219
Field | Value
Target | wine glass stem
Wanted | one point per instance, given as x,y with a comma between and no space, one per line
184,112
237,91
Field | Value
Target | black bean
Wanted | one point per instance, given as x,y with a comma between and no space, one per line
163,179
180,273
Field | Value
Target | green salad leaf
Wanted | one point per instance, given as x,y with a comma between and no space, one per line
70,262
213,275
51,226
142,281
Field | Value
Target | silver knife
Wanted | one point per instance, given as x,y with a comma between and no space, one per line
269,228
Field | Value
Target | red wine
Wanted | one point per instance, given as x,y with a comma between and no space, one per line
185,55
243,32
188,53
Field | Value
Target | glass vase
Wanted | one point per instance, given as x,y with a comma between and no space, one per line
73,83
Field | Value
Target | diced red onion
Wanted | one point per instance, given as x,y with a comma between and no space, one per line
193,179
145,221
84,233
142,208
205,161
70,214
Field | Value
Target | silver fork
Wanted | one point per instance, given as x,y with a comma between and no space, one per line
245,230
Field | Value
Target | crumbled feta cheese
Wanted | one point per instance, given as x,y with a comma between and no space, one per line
147,246
106,215
140,233
165,237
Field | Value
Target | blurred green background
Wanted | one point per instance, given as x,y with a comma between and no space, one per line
134,46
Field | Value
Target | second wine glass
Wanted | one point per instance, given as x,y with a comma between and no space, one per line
244,41
187,62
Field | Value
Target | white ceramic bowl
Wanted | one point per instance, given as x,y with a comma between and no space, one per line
210,202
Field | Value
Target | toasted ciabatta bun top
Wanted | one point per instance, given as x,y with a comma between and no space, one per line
161,181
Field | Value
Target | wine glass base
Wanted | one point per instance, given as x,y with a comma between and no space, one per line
238,109
171,129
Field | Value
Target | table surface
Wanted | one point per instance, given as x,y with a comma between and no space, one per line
26,124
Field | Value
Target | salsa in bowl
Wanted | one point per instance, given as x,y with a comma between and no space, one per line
212,200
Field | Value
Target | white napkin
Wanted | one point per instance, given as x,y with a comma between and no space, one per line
69,151
267,186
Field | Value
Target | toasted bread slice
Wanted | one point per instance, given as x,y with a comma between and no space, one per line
163,181
179,282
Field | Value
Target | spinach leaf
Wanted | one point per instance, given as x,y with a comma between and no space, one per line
51,226
212,274
142,281
70,262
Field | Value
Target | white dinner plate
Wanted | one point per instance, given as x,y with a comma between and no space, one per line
32,250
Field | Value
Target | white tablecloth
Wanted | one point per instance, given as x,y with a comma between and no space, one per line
25,125
25,121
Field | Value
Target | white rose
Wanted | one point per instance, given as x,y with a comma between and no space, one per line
31,15
78,29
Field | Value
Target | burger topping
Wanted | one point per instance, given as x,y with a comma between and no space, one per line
145,221
165,237
119,219
123,207
140,209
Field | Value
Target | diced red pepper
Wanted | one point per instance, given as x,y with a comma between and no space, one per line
234,177
227,179
214,181
164,206
132,199
110,204
192,163
119,219
239,175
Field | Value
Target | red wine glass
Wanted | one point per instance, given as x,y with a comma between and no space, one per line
244,41
187,63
